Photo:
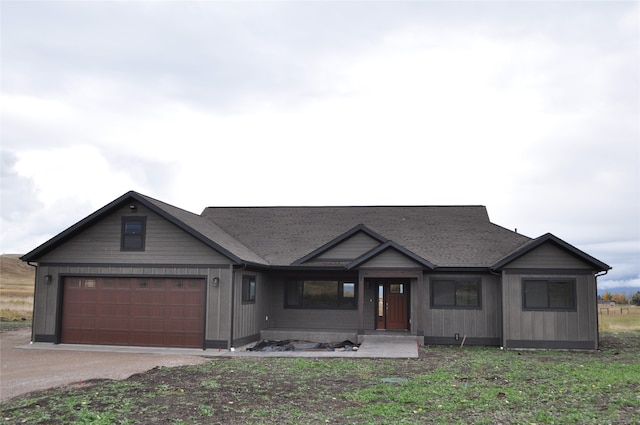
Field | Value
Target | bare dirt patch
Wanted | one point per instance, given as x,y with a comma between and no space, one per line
444,385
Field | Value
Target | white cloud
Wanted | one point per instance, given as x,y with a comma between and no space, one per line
612,285
529,108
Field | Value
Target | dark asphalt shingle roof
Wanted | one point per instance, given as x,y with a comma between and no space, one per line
447,236
434,236
209,230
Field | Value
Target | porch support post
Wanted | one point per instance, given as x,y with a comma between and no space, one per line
360,303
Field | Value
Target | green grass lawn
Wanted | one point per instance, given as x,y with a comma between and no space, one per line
446,385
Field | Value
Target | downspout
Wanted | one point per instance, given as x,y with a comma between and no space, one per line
33,310
596,276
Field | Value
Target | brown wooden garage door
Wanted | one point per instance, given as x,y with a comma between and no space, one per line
133,311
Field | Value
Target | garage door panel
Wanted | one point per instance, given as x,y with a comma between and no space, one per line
115,323
117,310
134,311
112,337
147,325
81,323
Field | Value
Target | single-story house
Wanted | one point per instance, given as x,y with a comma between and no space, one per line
142,272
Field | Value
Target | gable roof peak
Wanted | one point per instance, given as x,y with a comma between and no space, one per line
551,238
339,239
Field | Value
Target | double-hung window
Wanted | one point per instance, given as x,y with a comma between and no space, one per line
133,233
455,293
549,294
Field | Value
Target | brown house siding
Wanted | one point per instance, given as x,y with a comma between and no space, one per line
481,326
550,329
309,319
250,318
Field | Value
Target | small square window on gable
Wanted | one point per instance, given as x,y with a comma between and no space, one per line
133,233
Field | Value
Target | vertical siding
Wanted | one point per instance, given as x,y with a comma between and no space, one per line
250,318
545,326
475,323
369,307
45,302
311,319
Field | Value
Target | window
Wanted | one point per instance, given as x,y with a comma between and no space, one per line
320,294
455,293
549,294
248,289
133,233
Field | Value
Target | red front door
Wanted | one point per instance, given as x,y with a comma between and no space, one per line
393,305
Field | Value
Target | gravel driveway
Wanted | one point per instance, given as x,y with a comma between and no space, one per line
24,370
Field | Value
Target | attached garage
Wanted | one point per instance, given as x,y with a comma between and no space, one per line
163,312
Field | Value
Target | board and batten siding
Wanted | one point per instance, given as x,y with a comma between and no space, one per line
165,243
308,319
482,326
250,318
550,329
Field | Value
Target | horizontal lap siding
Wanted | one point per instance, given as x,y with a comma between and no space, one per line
579,325
164,243
474,323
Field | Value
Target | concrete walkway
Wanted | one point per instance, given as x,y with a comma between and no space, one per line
373,347
26,367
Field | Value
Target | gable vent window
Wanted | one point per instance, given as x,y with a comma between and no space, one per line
133,233
549,294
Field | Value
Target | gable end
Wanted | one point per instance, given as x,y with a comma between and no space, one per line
348,246
392,255
549,251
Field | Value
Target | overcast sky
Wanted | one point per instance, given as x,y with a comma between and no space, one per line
529,108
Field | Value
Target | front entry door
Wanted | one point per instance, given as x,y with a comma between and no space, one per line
393,305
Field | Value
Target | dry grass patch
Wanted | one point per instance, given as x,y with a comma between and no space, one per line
16,288
619,319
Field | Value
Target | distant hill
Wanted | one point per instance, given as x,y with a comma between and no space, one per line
14,272
626,290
